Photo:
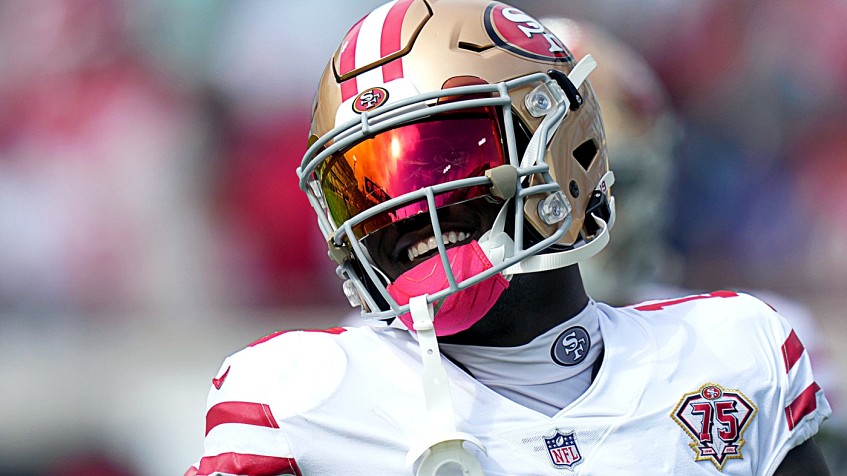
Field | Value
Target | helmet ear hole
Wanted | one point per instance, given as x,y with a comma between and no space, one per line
585,153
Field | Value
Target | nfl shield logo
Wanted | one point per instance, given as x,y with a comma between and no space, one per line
563,450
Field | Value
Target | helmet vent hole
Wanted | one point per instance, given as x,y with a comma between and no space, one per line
475,48
585,153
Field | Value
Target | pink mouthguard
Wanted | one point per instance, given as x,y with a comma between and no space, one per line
462,309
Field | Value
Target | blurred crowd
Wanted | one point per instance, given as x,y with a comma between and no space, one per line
147,156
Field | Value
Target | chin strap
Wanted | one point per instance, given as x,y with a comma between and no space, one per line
442,446
561,259
497,245
565,258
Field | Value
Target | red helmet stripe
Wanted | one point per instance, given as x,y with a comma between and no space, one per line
390,42
347,61
374,37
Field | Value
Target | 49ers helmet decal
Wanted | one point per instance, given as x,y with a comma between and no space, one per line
515,31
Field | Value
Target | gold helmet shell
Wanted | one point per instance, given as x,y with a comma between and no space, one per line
409,55
440,40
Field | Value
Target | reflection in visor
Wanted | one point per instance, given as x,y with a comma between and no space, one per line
405,159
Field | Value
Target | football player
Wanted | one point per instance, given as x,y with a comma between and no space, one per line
458,167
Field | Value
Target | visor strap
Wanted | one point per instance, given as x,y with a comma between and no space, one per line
562,259
534,150
577,76
580,72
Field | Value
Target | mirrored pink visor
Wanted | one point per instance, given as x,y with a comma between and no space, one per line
440,149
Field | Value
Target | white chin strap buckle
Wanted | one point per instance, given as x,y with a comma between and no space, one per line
442,451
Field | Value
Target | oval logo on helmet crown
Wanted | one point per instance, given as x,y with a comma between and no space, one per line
370,99
516,32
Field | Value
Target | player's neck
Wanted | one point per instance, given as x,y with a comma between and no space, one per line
533,304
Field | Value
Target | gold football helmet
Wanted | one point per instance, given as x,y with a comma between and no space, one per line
432,104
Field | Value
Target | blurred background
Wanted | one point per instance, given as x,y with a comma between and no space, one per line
151,223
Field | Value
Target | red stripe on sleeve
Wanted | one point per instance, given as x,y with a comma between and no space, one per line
268,337
192,471
658,306
331,330
390,39
254,465
804,404
792,349
347,61
248,413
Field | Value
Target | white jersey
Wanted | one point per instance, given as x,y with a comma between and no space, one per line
699,385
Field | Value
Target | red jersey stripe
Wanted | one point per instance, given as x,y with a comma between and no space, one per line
268,337
658,306
248,413
804,404
792,349
390,40
331,330
254,465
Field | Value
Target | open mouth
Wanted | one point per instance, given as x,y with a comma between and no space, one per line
403,245
429,246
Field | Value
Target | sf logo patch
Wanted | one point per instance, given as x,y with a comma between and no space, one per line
370,99
563,450
571,347
715,418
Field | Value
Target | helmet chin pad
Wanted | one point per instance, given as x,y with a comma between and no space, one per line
458,311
